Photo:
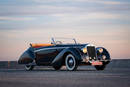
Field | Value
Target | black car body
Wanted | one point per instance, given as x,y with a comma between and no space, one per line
58,54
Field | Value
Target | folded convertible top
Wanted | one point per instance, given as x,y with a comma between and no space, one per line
37,45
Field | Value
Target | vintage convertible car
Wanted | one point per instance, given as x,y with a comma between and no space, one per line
59,53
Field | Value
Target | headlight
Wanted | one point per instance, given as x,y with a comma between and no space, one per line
84,50
100,50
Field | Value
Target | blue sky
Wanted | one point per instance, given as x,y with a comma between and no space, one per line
101,22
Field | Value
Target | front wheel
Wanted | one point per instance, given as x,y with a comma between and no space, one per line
71,62
29,67
104,56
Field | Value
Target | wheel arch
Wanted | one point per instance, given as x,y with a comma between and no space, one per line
27,57
106,53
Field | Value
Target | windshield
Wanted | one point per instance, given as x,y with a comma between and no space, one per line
63,41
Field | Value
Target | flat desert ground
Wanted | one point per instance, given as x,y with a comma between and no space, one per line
116,74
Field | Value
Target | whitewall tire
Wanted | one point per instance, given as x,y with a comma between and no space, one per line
71,62
29,67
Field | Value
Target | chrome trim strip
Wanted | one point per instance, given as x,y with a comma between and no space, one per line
50,48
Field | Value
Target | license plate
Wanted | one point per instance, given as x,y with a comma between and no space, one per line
96,63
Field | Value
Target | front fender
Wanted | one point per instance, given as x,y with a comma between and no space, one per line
104,52
60,57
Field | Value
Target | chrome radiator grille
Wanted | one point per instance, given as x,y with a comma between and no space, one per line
91,52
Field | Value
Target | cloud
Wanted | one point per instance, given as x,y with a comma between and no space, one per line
16,18
83,1
94,17
104,2
110,2
70,6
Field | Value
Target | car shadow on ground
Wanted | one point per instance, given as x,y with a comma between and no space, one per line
62,70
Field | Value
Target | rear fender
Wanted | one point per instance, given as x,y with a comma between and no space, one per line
27,57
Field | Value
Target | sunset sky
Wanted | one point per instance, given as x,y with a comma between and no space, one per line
101,22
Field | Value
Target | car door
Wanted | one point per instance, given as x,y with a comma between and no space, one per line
46,55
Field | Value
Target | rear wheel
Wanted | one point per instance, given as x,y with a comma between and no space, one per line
29,67
71,62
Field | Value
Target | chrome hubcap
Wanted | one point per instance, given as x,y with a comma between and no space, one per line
71,61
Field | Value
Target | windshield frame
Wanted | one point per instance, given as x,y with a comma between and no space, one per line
55,40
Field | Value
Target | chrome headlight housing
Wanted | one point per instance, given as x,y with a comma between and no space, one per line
100,50
84,50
